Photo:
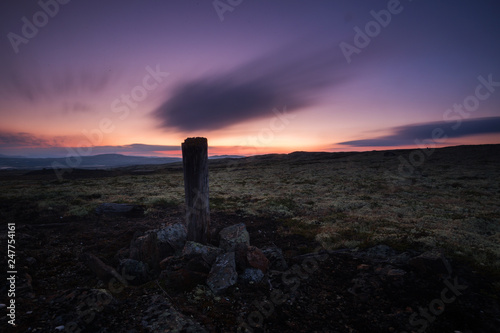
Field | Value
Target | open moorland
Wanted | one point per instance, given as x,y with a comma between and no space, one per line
364,213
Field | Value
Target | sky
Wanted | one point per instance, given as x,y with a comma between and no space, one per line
253,76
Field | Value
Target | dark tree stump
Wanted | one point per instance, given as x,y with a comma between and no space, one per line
195,163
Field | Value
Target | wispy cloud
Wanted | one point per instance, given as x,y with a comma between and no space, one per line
406,135
31,85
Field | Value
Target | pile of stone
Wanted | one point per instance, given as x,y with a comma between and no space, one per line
166,254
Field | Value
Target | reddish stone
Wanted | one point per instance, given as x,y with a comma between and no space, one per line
145,249
257,259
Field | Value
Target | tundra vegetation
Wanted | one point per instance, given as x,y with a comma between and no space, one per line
340,200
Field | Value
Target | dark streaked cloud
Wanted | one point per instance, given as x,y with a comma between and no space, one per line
251,91
406,135
21,139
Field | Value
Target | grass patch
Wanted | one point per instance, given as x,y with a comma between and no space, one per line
162,201
299,228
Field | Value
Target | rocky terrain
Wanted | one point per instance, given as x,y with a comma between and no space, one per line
274,265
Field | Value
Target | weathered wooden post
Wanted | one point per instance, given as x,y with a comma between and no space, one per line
195,163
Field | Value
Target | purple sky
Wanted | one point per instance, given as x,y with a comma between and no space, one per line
138,77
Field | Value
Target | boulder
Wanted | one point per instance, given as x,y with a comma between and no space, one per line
276,259
100,269
171,239
134,271
256,259
78,305
233,237
198,264
207,252
223,273
145,249
184,273
93,299
253,275
119,209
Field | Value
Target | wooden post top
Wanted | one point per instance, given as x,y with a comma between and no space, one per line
195,141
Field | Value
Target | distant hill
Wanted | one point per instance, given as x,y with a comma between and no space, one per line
225,156
102,161
11,156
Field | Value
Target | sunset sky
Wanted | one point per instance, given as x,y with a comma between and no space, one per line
253,76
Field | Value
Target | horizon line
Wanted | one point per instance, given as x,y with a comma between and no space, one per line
2,155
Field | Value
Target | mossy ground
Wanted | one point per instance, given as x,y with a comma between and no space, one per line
450,201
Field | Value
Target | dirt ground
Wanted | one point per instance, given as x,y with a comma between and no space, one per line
339,291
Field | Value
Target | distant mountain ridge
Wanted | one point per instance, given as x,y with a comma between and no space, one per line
101,161
108,161
225,156
12,156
